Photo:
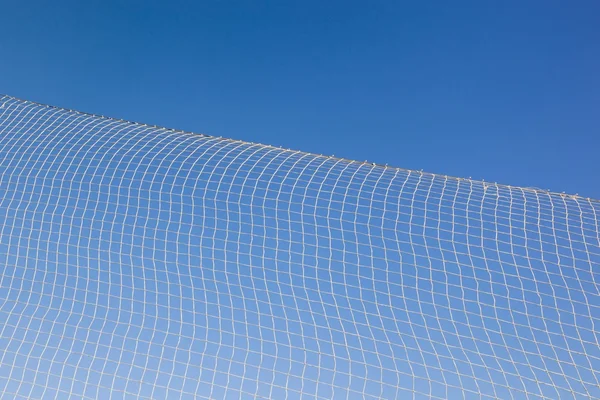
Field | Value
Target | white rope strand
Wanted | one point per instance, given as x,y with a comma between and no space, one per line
143,262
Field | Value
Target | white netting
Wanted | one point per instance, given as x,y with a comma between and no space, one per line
138,261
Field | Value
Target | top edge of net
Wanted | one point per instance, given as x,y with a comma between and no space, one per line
4,97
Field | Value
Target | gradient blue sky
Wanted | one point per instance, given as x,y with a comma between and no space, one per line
501,91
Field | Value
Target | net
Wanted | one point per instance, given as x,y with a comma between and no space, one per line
143,262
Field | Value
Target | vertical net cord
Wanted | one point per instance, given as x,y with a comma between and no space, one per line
143,262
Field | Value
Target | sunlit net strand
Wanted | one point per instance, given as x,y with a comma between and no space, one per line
414,242
219,185
124,156
264,216
506,242
58,143
550,220
590,342
482,246
34,341
587,254
443,259
21,199
37,339
218,162
575,258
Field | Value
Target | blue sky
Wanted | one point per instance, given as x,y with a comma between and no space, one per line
502,91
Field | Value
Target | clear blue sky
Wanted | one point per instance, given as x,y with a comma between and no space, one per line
501,91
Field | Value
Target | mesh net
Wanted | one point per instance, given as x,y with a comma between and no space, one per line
144,262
